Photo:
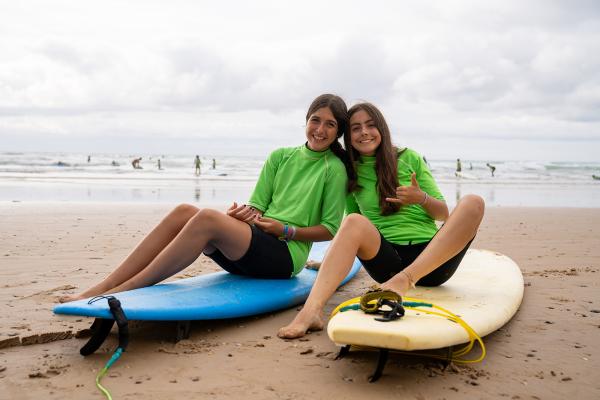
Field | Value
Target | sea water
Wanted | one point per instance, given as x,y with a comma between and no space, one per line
112,178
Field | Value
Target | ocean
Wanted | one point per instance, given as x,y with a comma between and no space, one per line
69,177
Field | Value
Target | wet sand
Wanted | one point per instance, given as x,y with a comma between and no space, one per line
49,249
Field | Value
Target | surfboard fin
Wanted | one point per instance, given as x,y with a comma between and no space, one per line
381,361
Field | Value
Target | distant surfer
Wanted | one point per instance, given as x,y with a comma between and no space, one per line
270,236
458,168
136,163
397,241
214,163
114,163
158,163
197,163
89,158
492,168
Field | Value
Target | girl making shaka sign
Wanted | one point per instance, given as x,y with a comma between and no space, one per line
392,208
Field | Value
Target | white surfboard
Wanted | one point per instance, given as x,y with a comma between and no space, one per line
485,292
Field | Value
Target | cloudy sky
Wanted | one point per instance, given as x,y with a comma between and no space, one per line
478,80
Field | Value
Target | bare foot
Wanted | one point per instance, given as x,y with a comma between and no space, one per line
304,322
70,297
398,284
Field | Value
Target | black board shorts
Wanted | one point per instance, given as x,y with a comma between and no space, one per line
266,258
393,258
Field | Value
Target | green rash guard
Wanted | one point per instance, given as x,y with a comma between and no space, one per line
303,188
411,224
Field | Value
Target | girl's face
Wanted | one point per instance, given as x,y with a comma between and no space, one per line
364,135
321,129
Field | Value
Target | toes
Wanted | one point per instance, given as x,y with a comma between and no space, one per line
290,333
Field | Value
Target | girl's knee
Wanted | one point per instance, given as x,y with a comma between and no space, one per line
355,225
353,222
185,211
206,218
474,204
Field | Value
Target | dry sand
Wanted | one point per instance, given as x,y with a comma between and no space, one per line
48,249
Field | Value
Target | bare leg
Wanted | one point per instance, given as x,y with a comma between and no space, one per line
144,252
208,228
459,229
357,236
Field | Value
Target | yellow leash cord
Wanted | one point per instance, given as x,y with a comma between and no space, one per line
417,305
99,377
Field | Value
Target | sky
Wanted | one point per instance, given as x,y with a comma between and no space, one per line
493,80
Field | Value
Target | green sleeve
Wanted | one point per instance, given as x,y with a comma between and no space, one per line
426,180
332,210
351,205
263,191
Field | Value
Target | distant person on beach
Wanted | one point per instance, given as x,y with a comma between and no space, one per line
136,163
470,165
492,168
158,162
197,163
391,210
458,168
89,158
214,164
299,198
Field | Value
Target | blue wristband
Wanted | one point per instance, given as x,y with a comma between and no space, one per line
284,237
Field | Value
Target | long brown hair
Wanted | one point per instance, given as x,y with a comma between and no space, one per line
386,159
340,112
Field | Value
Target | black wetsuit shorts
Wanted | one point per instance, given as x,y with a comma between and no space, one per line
266,258
393,258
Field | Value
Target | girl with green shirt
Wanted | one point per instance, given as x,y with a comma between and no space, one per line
299,199
392,208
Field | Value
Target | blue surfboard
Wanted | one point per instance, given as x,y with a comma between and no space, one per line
217,295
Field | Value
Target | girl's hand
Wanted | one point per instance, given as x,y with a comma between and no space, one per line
407,195
243,212
270,226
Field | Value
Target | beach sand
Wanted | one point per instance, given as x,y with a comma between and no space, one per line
546,351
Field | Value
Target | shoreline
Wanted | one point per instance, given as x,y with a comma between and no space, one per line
213,192
50,248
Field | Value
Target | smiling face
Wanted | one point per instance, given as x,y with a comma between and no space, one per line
364,135
321,129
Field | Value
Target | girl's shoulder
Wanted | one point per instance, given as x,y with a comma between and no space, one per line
408,158
406,152
408,155
285,150
282,153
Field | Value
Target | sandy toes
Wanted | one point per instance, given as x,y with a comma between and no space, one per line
69,298
301,325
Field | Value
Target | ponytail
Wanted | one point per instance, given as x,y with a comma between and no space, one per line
338,150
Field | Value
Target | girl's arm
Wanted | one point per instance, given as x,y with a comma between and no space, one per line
243,212
436,209
316,233
263,191
413,194
332,211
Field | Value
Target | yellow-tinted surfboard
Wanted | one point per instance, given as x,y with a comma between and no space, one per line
485,292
